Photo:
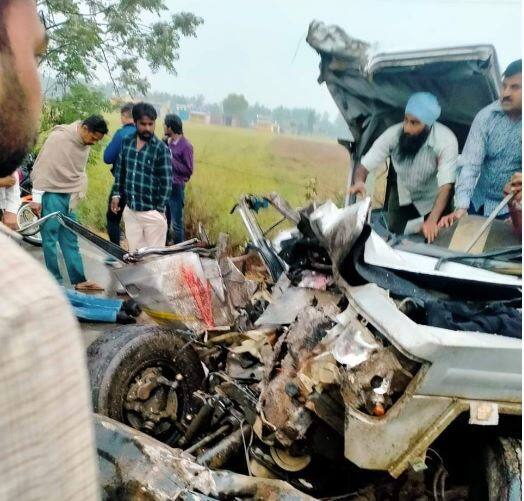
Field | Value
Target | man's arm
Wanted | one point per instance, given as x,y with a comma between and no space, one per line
115,190
359,181
163,178
469,164
430,226
113,148
12,203
373,159
446,176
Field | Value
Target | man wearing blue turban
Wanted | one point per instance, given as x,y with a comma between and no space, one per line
423,154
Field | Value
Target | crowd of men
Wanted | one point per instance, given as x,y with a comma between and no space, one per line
147,194
427,167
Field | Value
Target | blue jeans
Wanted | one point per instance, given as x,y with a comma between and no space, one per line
93,309
176,207
54,233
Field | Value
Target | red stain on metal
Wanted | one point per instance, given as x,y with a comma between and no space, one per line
201,294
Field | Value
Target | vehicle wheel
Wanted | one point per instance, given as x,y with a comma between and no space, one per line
145,376
503,463
26,216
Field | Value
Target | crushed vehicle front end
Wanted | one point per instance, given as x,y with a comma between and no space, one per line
358,364
331,376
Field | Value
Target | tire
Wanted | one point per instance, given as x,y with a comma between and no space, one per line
119,356
503,467
26,216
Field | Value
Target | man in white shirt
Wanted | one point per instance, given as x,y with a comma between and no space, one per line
423,154
9,200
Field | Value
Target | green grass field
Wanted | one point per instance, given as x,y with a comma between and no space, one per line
230,162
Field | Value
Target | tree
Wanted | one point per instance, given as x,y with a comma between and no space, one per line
78,103
87,35
234,105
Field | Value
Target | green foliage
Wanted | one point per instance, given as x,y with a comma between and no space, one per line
77,104
92,210
235,105
88,34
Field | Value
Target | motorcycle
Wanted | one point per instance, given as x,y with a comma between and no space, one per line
25,215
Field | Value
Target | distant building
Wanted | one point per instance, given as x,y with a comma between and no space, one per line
182,111
201,117
267,125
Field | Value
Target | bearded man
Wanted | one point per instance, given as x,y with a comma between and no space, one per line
46,430
143,172
423,155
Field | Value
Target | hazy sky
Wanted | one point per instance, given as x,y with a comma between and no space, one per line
258,47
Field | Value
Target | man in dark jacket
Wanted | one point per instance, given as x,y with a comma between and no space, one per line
182,162
111,154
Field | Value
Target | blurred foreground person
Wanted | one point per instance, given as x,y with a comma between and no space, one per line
46,434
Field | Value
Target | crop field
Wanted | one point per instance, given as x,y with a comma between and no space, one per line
232,161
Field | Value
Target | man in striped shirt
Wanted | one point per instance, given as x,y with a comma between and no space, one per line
424,155
145,165
492,153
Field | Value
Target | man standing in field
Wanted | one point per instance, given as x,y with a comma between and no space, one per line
424,155
111,154
492,153
46,431
144,165
59,181
182,163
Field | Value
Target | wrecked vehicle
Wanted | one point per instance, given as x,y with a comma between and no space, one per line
333,382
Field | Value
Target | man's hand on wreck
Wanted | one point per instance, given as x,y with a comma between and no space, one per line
447,221
514,186
359,188
430,229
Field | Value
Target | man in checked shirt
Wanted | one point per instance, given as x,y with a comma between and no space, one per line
46,435
146,163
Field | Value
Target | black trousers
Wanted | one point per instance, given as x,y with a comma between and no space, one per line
113,220
399,215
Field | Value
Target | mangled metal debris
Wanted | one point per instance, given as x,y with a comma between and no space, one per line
312,371
136,466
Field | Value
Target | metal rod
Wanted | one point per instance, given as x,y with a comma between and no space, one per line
350,199
507,199
37,222
218,455
201,417
209,438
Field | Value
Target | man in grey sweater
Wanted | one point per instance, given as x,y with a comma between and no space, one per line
59,182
